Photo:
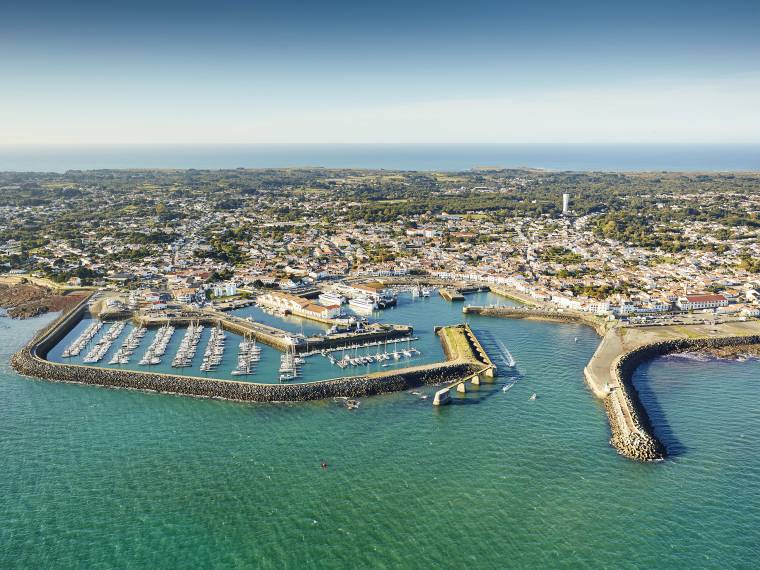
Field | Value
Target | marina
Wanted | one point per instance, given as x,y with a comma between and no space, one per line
214,352
83,339
158,347
128,347
184,351
352,357
188,346
249,353
104,343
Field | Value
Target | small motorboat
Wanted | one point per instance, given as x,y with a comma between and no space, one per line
533,396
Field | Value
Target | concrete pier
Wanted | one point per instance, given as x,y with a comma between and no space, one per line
451,294
460,343
442,397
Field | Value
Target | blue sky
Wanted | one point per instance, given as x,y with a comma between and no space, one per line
240,72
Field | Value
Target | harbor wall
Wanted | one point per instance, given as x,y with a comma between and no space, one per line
632,433
357,386
538,314
53,333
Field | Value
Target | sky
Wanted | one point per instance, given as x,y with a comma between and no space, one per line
80,72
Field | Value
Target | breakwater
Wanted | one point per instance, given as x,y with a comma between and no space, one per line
598,324
357,386
30,361
632,434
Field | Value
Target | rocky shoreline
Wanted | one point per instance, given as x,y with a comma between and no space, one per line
26,300
738,352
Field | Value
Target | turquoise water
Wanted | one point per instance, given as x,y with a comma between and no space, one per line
102,478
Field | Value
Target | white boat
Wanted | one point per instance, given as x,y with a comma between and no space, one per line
362,304
330,299
534,396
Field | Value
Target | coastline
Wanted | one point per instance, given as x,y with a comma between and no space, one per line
608,373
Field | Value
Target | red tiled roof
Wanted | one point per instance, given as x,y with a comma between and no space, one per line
705,298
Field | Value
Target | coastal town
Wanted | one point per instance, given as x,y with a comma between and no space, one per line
651,247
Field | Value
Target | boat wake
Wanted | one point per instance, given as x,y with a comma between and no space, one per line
506,356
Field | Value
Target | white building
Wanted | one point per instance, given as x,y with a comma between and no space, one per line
224,289
694,302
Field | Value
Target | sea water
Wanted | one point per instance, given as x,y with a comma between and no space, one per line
99,478
604,157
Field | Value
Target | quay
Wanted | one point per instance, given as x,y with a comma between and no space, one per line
32,361
461,345
451,294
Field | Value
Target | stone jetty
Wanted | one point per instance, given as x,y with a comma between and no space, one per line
538,314
609,374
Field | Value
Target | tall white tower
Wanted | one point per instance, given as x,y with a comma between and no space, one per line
565,203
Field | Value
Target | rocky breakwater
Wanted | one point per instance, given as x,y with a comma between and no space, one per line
26,363
632,434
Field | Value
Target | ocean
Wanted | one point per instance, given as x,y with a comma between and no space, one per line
444,157
100,478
